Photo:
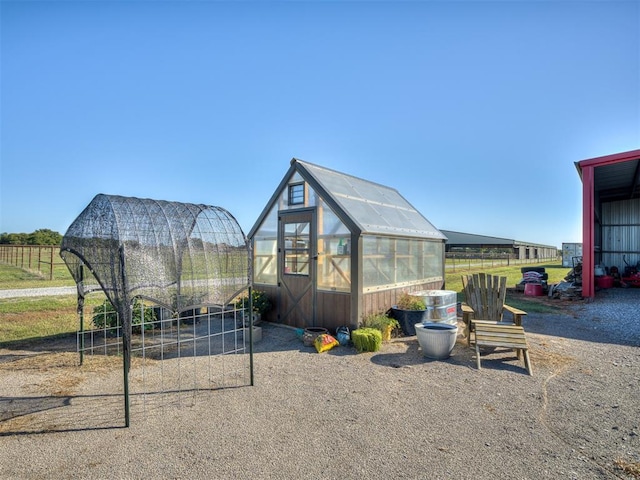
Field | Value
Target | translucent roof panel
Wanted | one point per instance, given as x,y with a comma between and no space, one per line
376,209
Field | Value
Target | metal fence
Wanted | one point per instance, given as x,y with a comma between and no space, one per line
46,260
43,259
469,261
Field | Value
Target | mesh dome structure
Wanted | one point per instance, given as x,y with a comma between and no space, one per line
177,255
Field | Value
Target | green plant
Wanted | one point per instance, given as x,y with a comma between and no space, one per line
367,339
105,316
379,321
27,318
261,303
410,302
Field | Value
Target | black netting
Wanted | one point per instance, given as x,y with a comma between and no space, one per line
178,255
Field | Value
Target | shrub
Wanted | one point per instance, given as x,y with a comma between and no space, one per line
379,321
105,316
366,339
410,302
260,299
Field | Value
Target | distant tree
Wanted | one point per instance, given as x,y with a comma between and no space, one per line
43,236
13,238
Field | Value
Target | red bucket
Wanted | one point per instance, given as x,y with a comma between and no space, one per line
606,281
533,289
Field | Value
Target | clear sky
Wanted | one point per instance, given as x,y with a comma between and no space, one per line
475,111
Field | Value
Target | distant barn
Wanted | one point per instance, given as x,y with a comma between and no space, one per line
458,242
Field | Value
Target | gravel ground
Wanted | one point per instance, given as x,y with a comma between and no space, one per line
38,292
388,414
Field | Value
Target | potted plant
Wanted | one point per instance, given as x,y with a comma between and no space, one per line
382,322
408,311
261,304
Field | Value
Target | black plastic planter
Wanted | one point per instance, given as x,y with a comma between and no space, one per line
408,319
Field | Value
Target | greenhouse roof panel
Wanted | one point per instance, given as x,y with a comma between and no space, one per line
375,208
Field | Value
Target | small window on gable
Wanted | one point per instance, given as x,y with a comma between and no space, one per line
296,194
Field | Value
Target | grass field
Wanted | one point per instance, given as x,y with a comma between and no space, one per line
24,319
13,277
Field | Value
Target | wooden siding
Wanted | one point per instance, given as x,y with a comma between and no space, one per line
333,310
376,302
272,293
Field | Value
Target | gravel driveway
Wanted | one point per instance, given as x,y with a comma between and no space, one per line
38,292
388,414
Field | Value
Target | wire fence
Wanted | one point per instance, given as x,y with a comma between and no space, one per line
176,357
469,261
44,260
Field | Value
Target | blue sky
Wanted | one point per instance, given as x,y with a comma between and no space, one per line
475,111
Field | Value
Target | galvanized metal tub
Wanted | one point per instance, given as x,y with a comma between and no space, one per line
441,305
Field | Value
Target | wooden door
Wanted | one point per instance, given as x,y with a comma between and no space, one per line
296,268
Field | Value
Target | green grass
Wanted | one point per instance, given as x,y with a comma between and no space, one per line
556,273
38,317
15,278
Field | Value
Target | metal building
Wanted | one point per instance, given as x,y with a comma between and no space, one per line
610,213
521,250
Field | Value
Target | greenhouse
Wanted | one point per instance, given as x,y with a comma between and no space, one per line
329,248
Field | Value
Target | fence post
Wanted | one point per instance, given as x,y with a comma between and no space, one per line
51,265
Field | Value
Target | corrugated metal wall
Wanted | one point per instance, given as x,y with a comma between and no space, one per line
620,232
569,253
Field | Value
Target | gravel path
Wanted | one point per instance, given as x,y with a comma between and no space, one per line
389,414
38,292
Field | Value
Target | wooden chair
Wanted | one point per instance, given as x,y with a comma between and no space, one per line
483,316
485,297
504,336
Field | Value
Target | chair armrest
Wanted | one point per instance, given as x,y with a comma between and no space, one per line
517,314
467,313
467,317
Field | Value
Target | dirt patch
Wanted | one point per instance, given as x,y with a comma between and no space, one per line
559,305
630,468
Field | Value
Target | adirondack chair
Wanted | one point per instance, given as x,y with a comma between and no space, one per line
483,316
485,297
